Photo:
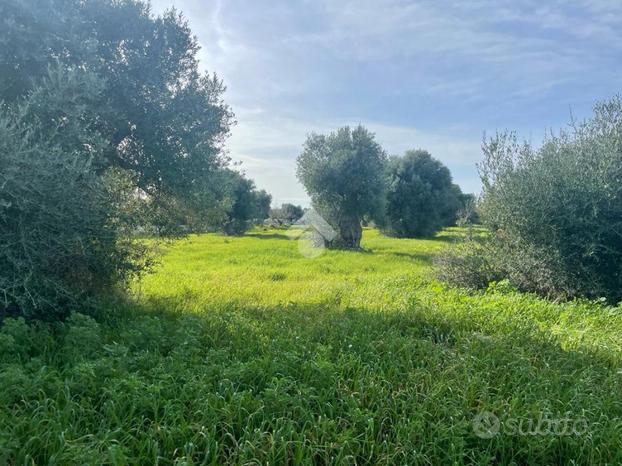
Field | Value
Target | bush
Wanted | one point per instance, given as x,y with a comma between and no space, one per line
555,213
60,232
468,265
477,262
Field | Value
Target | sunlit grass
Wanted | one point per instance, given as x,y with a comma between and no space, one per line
266,269
243,351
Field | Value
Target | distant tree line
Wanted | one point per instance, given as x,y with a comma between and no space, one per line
287,214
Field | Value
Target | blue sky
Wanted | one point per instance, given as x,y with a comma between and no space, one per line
429,74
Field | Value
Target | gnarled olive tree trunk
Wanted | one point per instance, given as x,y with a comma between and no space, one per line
350,233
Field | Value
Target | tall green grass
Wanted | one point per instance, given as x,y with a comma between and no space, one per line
243,351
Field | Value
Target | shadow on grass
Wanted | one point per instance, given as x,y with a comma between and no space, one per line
445,238
268,236
441,370
427,258
417,321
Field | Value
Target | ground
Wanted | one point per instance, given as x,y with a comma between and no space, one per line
244,351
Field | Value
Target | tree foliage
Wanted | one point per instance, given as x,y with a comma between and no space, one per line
241,203
468,213
159,116
63,225
262,201
106,124
555,212
343,174
421,197
287,213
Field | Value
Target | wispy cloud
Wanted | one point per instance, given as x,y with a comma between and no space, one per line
268,148
429,73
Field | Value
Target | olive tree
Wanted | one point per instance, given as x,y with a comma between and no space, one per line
240,203
262,201
563,201
554,211
421,197
291,212
64,226
343,173
159,116
104,111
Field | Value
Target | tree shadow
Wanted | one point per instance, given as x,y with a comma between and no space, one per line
416,371
430,324
268,236
417,256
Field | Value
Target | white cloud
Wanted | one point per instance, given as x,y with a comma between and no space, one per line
268,148
300,66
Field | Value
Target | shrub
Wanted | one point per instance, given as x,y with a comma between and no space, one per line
468,265
60,232
477,262
83,336
555,213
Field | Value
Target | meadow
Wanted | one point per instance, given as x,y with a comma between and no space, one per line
241,350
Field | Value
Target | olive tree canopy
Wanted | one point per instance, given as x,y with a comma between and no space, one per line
105,120
160,117
421,197
343,173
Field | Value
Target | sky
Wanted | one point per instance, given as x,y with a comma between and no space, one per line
431,74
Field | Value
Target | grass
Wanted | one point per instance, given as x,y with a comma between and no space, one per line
243,351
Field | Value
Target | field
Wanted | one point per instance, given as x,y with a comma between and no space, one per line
243,351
